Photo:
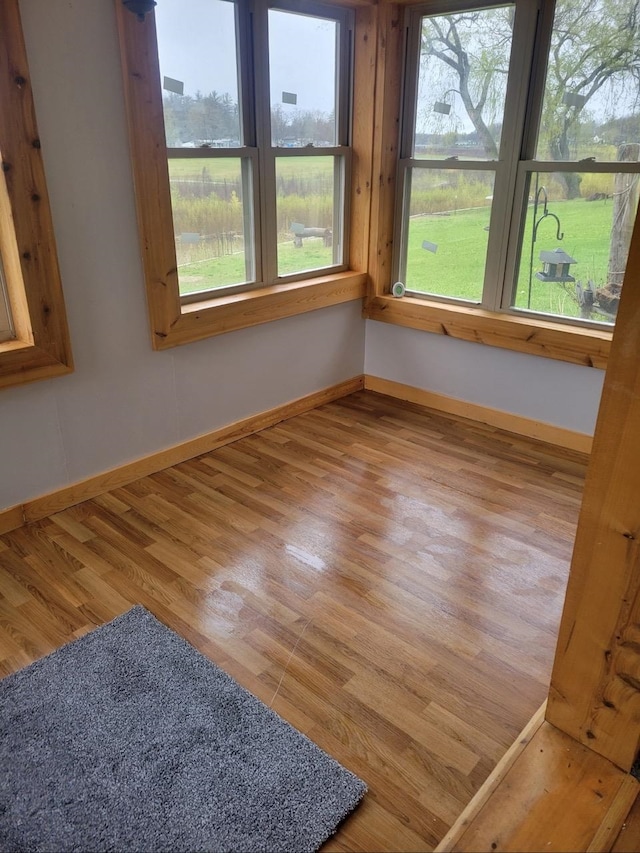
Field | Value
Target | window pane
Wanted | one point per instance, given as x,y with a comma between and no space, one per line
574,249
448,232
199,73
462,82
302,75
308,191
212,222
5,312
591,101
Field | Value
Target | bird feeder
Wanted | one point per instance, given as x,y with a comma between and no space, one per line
556,266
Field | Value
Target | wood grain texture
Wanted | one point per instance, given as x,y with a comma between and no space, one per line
364,85
595,688
453,838
589,347
143,99
558,795
389,73
628,839
42,347
387,579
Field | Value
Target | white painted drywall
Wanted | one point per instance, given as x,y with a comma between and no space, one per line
554,392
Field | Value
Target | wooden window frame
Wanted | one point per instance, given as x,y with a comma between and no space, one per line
39,347
533,335
174,321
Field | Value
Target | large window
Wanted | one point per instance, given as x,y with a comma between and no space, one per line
520,156
251,158
250,105
257,139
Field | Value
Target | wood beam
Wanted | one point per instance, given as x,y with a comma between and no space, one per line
595,685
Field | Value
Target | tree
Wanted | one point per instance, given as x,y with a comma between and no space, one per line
469,52
595,49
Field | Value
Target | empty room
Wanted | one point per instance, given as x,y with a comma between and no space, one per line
319,405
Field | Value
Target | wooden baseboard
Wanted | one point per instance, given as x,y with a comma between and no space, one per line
549,792
11,518
517,424
61,499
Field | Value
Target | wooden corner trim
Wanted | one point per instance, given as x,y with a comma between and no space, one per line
496,776
61,499
548,792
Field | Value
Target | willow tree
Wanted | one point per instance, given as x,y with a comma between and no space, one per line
468,53
594,62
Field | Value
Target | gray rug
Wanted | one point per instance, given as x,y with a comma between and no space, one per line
130,740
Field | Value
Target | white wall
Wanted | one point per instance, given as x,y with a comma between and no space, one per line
554,392
125,401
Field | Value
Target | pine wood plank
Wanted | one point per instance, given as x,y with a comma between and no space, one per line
557,795
537,337
628,839
42,348
595,686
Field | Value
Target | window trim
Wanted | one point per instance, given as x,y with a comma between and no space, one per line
521,333
7,331
174,322
40,347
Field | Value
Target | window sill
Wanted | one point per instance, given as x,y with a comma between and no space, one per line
22,362
589,347
198,320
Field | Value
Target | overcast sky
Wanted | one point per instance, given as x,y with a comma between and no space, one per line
197,46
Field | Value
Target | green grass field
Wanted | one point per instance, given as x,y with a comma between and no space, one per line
456,269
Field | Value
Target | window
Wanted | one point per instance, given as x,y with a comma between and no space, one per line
520,156
241,132
34,339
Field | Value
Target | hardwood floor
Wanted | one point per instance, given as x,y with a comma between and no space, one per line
388,580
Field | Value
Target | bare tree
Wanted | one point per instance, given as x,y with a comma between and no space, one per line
475,55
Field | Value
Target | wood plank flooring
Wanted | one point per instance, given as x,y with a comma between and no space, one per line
388,580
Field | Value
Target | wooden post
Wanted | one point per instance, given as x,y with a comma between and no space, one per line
595,684
625,202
